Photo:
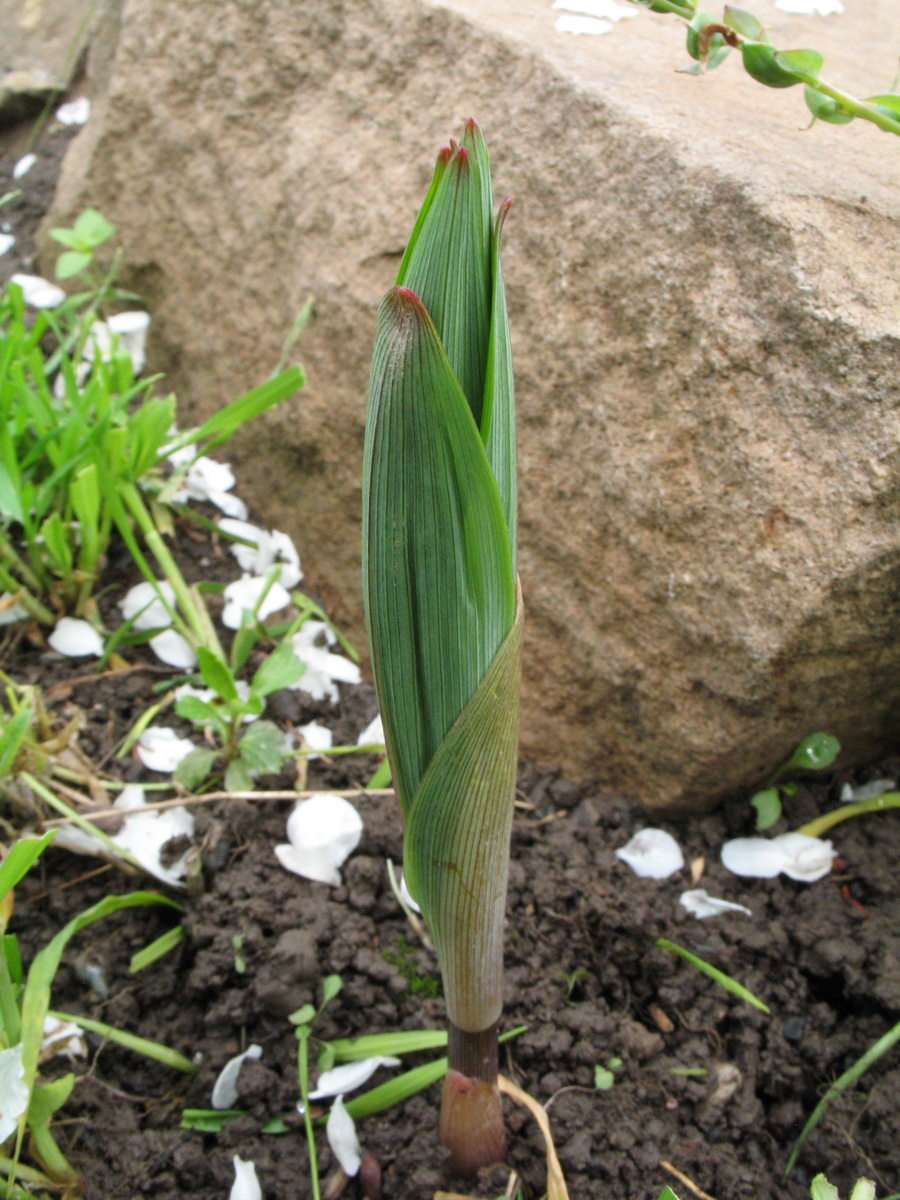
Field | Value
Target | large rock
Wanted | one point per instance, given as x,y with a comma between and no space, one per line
705,304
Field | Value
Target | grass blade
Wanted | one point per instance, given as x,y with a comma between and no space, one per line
725,981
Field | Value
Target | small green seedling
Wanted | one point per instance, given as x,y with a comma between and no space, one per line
237,945
604,1076
243,750
814,753
821,1189
90,231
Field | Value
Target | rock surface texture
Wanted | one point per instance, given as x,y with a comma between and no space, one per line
705,303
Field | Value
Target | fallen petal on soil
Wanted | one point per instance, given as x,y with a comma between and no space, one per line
246,1185
652,854
75,638
349,1076
322,832
699,902
161,749
796,855
341,1134
224,1093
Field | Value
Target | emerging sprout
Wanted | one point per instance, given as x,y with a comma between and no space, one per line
443,608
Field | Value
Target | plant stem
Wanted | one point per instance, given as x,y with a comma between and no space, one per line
819,825
471,1112
858,107
303,1071
50,1156
8,1008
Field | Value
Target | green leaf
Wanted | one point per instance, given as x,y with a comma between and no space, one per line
216,674
805,64
762,63
131,1041
331,987
47,1098
67,237
223,423
744,23
262,748
12,739
208,1120
437,566
456,848
768,807
667,1194
194,768
823,108
814,753
157,948
447,262
888,104
192,708
821,1189
725,981
237,777
93,229
72,262
603,1078
281,669
22,855
36,998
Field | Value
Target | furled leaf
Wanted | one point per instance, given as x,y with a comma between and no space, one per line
456,848
437,565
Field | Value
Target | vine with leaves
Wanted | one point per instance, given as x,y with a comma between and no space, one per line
710,40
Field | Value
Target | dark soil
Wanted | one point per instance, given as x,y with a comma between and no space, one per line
584,975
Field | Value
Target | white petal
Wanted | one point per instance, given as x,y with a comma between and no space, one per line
316,736
699,902
145,834
350,1076
606,10
161,749
10,612
821,8
373,734
228,503
174,650
796,855
224,1093
206,475
576,25
317,684
24,165
322,832
407,895
285,552
75,638
807,858
39,292
244,593
867,791
98,343
178,458
143,600
131,798
652,854
7,241
76,112
132,330
254,559
753,858
13,1090
62,1037
341,1134
246,1185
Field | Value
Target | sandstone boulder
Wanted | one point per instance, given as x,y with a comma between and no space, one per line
705,302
